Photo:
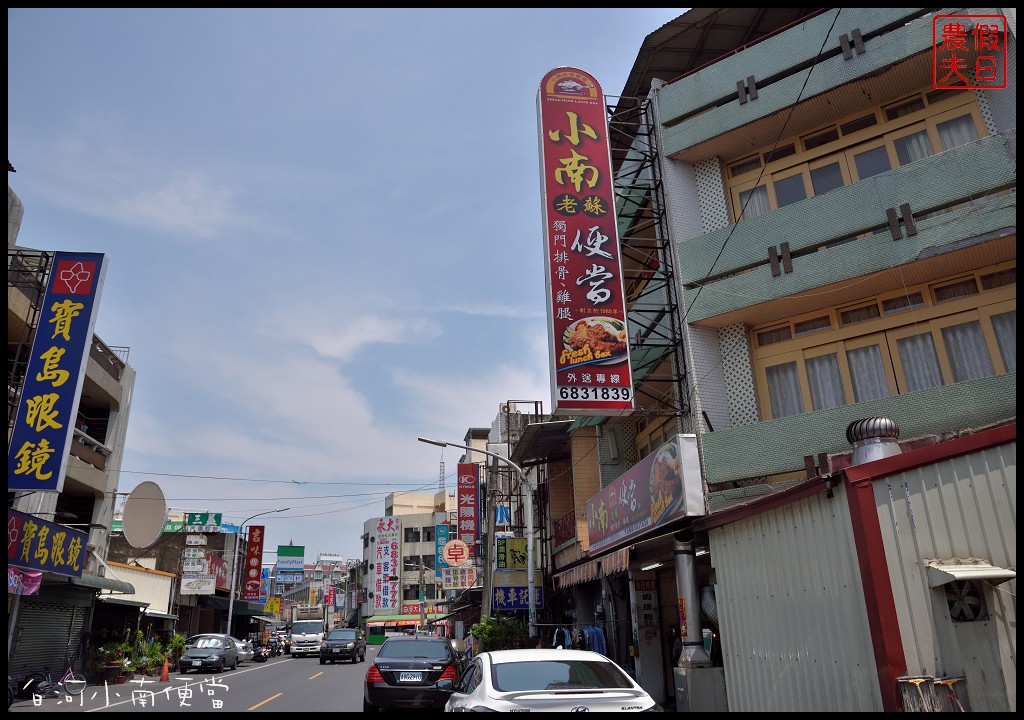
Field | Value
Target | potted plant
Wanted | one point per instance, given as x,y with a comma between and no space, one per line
175,648
155,655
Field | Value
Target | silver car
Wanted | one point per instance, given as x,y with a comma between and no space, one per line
543,680
246,651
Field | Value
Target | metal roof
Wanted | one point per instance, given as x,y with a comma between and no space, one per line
541,442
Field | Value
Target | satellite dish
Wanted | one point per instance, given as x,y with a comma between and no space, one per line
144,515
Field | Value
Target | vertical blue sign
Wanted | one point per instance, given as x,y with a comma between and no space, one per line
441,537
37,454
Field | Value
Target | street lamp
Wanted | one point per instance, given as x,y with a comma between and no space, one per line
532,612
234,568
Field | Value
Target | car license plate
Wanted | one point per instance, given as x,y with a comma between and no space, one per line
197,663
337,650
410,677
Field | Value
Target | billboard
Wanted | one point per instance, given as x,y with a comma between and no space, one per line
588,338
663,486
47,414
440,539
290,558
386,563
468,496
253,564
37,544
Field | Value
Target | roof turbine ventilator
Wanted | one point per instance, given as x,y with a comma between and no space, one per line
873,438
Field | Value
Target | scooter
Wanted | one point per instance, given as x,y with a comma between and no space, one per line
263,653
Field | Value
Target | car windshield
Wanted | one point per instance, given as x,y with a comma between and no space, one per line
420,648
307,627
342,635
209,642
557,675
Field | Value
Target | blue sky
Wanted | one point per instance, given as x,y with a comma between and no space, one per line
322,228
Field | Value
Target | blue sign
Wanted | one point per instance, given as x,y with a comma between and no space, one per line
502,515
516,598
37,454
37,544
441,538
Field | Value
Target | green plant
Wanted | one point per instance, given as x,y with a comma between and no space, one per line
176,646
498,633
116,652
155,654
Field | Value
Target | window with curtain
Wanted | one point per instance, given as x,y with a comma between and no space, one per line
1005,327
913,147
920,362
968,355
754,202
825,382
784,390
867,373
958,131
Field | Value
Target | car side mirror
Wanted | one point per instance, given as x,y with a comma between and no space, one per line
446,685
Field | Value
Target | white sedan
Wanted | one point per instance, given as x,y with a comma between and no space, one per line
245,650
547,681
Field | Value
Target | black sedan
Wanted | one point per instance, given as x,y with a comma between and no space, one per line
343,644
209,652
405,673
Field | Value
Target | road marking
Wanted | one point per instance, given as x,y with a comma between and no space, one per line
272,697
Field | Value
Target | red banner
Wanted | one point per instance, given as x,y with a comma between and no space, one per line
588,342
253,564
469,503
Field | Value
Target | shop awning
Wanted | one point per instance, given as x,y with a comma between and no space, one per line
160,615
265,619
613,562
410,620
122,601
104,583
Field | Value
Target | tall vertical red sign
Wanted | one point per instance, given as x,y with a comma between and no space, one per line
468,496
253,563
588,341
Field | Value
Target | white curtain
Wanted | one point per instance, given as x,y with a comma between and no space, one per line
754,202
958,131
867,373
784,390
967,352
826,384
1005,327
920,363
913,147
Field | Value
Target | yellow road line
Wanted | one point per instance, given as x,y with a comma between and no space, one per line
272,697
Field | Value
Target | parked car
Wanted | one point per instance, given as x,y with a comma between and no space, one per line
246,651
543,680
408,672
343,644
212,651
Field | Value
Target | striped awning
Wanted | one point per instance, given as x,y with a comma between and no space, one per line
613,562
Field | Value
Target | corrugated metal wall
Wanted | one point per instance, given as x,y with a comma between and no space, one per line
965,507
792,616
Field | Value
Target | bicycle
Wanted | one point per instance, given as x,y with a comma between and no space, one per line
70,682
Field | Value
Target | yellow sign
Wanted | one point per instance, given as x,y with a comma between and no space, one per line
273,606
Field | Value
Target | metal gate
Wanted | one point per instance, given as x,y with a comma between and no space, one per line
47,632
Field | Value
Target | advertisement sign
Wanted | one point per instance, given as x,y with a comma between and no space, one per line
588,341
44,426
195,584
202,522
516,598
468,495
195,540
250,576
455,553
272,606
386,564
219,570
510,553
458,578
440,539
663,486
170,526
264,585
37,544
23,582
291,558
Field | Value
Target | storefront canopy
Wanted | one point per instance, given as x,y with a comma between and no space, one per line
410,620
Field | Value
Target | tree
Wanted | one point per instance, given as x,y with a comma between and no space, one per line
498,633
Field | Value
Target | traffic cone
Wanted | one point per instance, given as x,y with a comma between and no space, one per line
165,674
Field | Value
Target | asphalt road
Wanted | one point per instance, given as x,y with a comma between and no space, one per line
282,684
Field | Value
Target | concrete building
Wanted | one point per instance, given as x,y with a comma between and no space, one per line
814,234
45,627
